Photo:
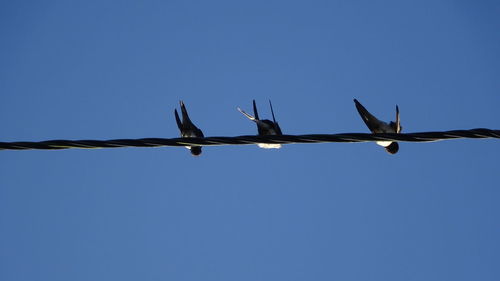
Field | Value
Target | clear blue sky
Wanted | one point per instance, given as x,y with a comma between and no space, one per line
117,69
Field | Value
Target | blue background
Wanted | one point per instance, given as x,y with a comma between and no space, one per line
117,69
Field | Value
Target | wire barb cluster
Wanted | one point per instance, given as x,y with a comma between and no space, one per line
242,140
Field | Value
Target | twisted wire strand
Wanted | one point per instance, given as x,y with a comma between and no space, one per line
479,133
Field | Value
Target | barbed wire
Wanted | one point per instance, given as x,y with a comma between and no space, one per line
479,133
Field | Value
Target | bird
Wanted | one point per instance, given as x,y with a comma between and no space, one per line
188,129
377,126
264,127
